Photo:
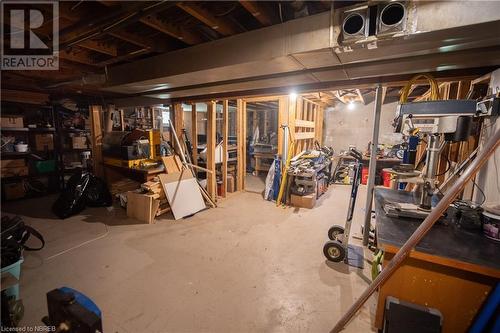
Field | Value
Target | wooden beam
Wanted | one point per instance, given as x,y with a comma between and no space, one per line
384,93
241,145
258,11
128,56
202,14
104,48
194,133
304,135
282,120
80,56
167,28
178,119
27,97
225,128
96,140
135,39
304,123
211,144
361,97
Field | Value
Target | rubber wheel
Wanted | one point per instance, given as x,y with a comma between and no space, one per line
334,231
334,251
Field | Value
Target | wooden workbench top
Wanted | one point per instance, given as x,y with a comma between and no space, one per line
443,244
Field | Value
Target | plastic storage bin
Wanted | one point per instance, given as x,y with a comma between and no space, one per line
14,270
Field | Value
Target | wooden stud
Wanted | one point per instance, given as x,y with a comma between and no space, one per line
282,120
211,143
96,133
225,127
194,133
178,119
240,137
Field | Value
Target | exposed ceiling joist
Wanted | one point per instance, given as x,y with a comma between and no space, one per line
361,97
258,11
104,48
220,25
188,37
141,41
80,56
127,56
27,97
116,20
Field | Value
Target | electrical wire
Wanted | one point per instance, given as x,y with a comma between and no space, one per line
433,86
448,162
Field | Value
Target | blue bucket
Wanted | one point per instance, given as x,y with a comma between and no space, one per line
14,270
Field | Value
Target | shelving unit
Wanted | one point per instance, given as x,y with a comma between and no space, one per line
26,180
66,149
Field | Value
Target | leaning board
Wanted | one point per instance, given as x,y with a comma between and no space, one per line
183,194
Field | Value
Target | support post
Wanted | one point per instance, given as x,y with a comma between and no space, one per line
194,133
373,164
241,145
178,119
225,126
211,143
96,133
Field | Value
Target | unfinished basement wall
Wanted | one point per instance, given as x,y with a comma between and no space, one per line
344,127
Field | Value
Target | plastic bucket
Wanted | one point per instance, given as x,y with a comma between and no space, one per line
14,270
364,175
387,178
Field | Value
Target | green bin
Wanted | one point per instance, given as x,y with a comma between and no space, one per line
45,166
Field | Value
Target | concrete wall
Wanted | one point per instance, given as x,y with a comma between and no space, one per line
344,127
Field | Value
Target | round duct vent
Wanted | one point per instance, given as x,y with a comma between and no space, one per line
392,14
353,24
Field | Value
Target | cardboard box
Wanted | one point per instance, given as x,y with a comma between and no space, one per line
79,142
44,141
13,191
12,121
14,172
303,201
13,163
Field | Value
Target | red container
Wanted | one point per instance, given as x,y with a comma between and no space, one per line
364,175
387,177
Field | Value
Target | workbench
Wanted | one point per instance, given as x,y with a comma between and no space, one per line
259,161
451,269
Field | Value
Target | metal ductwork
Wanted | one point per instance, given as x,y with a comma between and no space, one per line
402,38
392,17
355,23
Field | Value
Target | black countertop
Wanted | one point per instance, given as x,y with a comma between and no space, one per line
446,241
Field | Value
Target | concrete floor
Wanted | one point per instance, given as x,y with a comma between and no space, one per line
246,266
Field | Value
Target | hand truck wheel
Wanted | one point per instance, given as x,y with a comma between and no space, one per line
334,251
334,231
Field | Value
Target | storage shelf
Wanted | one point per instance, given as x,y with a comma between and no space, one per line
74,130
15,129
41,129
14,153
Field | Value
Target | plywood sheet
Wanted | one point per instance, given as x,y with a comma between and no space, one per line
172,164
183,194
